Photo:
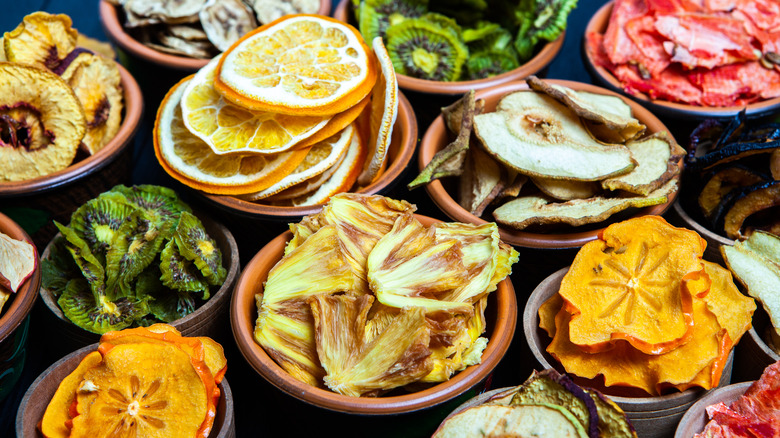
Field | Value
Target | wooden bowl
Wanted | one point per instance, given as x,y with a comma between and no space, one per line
436,138
652,417
210,319
399,155
598,23
110,16
533,66
37,398
501,318
696,418
57,195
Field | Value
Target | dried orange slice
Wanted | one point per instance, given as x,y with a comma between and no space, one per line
192,162
41,39
53,424
298,64
228,128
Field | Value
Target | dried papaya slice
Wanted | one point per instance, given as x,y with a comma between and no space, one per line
639,270
41,39
53,424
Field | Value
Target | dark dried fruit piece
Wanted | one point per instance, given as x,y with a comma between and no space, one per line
758,198
723,182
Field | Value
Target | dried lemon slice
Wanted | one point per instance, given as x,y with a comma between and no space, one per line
228,128
41,121
41,39
191,161
298,64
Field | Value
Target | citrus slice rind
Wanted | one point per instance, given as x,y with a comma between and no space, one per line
228,128
298,64
190,161
320,157
309,185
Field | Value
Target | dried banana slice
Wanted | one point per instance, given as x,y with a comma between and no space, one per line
225,21
41,39
41,122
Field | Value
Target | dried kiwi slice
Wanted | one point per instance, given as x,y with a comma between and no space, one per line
58,268
90,267
487,63
161,203
375,16
179,273
95,313
540,20
195,245
166,305
426,50
98,221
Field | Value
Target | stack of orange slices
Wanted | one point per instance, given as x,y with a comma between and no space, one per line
294,112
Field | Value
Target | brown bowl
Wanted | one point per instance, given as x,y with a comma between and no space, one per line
37,398
501,318
542,59
399,154
652,417
57,195
210,319
110,16
436,138
599,22
696,418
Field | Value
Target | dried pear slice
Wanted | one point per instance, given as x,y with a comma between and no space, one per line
167,11
96,82
610,111
225,21
482,181
566,190
759,197
41,39
18,260
657,158
536,135
723,183
41,122
540,420
197,246
536,210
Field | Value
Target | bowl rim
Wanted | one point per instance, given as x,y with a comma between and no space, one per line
384,181
713,396
23,299
534,65
109,18
429,146
243,329
598,23
133,108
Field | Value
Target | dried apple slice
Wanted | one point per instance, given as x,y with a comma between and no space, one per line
41,39
538,420
657,158
18,260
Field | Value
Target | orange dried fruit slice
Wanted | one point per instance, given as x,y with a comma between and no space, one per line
631,284
41,120
192,162
228,128
298,64
41,39
57,414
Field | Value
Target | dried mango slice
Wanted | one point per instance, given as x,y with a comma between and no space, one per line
41,39
639,270
41,121
53,424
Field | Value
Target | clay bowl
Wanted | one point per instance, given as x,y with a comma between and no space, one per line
598,23
37,398
57,195
110,16
501,317
696,418
210,319
399,154
437,137
533,66
652,417
13,319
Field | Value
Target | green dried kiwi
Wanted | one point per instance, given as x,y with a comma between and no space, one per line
486,34
91,268
540,20
161,202
166,305
487,63
196,245
443,21
95,313
58,268
98,220
375,16
464,11
426,50
181,274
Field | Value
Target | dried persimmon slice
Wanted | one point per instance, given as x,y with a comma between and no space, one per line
57,412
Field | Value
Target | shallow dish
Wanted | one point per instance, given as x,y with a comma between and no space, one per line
501,316
436,138
598,23
37,398
696,418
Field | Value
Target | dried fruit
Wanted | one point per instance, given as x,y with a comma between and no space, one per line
542,420
225,21
422,48
41,39
751,201
657,158
18,260
57,414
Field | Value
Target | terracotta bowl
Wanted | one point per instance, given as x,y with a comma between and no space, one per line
210,319
542,59
57,195
437,137
37,398
599,22
13,319
696,418
501,317
399,155
110,18
652,417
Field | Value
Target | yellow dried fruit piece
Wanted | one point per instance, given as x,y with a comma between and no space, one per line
58,410
41,39
41,121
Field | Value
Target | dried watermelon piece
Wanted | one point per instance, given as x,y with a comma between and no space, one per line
41,39
18,260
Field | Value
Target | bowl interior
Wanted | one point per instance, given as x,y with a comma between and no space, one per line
21,302
501,316
696,418
399,154
437,137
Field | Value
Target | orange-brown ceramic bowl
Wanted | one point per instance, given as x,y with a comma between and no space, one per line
399,155
110,16
436,138
501,316
599,22
542,59
696,418
38,396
